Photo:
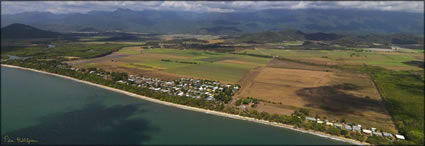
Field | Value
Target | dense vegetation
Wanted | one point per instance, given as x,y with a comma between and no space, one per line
403,94
77,50
330,40
21,31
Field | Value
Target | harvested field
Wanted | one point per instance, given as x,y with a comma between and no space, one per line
291,80
215,41
333,94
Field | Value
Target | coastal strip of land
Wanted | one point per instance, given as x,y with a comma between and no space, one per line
321,134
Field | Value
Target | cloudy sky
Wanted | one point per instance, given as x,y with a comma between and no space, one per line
10,7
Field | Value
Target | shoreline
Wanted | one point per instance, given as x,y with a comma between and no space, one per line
211,112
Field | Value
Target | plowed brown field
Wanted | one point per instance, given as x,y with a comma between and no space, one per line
331,93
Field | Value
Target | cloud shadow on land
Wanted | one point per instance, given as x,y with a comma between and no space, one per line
332,99
419,64
93,124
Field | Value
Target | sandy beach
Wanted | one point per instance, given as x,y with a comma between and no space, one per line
321,134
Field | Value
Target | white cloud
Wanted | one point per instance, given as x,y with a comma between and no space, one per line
10,7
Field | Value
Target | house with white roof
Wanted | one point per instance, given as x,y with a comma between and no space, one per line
180,94
376,133
367,131
210,98
348,127
387,134
310,118
399,136
357,128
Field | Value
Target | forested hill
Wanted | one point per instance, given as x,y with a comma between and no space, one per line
161,21
334,38
22,31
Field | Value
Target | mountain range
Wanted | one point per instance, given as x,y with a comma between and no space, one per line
161,21
22,31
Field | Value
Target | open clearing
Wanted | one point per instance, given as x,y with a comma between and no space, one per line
332,94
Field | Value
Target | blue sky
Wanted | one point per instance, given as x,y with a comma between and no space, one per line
10,7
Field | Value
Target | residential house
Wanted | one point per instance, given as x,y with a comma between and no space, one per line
357,128
376,133
399,136
310,118
387,134
348,127
367,131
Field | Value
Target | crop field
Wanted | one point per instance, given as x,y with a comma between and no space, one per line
388,60
224,67
288,43
94,38
328,92
113,42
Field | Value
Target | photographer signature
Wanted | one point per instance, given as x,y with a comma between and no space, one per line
7,139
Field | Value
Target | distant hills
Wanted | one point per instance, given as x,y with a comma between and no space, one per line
311,40
22,31
161,21
332,39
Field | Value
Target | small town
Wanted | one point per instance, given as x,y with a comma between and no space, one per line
194,88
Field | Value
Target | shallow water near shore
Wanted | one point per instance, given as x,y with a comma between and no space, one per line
54,110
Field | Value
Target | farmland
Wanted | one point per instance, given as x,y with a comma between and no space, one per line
388,60
228,68
289,85
330,93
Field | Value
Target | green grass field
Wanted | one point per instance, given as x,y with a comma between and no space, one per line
129,51
211,65
213,71
93,38
382,59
